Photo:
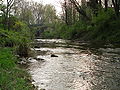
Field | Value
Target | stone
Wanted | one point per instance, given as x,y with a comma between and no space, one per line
42,89
54,55
39,59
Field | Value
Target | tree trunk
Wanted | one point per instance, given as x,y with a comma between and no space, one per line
106,5
116,4
66,12
79,9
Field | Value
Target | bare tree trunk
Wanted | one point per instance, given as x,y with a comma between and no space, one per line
106,5
100,3
79,9
7,13
116,4
66,12
74,15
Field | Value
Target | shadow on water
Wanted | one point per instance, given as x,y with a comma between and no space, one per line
79,65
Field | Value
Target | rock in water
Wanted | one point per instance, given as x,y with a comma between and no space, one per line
42,89
54,55
39,59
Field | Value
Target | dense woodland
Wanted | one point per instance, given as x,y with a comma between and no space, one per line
93,20
21,21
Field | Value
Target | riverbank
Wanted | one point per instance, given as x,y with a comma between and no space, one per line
11,76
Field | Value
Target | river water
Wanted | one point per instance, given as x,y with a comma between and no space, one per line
76,66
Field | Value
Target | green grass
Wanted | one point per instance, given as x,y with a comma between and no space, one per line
11,76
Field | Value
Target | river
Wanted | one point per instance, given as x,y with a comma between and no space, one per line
74,66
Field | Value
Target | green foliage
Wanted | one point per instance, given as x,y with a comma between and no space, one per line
49,14
8,62
19,36
101,21
8,38
106,27
18,26
66,32
103,27
48,34
23,50
12,38
22,28
11,77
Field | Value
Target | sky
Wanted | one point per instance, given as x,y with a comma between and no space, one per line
56,3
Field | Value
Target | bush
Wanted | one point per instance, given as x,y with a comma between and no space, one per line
23,50
101,22
65,31
12,38
106,27
19,37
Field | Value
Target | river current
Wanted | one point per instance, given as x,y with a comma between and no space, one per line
74,66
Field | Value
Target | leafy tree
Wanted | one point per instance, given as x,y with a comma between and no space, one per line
49,14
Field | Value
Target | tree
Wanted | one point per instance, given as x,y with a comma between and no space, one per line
106,4
9,6
49,14
23,11
70,14
5,10
80,9
38,13
1,6
66,11
116,4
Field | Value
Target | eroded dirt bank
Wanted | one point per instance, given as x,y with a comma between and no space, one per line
75,67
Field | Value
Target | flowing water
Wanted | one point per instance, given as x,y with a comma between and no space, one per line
76,66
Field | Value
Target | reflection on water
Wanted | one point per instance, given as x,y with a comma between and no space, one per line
75,68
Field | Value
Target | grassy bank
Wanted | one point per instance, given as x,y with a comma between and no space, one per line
11,76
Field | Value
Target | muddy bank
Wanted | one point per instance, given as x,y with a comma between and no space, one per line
76,67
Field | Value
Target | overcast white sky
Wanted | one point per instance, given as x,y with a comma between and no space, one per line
56,3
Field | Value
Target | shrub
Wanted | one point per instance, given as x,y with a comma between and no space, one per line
18,37
65,31
106,27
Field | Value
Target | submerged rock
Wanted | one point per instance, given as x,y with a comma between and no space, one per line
36,46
